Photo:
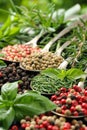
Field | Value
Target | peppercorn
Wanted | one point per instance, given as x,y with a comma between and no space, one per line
41,61
11,74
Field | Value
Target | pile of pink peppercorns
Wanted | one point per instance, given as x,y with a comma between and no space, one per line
17,52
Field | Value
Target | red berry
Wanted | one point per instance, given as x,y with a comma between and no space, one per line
78,97
50,127
75,113
23,125
63,111
85,92
86,88
37,120
37,126
80,101
54,97
45,123
57,102
63,89
41,126
83,98
27,124
77,88
84,105
82,128
63,101
55,128
67,126
84,111
85,128
72,109
63,107
14,127
61,94
74,87
74,103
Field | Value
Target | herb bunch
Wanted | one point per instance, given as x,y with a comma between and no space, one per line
50,80
23,24
16,106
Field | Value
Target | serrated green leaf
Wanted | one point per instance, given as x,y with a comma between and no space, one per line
9,91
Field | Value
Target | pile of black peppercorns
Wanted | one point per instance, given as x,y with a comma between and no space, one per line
13,73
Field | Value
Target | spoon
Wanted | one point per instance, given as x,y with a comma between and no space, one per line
57,53
34,41
62,33
81,83
65,31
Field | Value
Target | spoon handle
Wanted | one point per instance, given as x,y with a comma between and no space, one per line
34,41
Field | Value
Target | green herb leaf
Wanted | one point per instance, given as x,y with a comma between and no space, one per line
2,104
2,128
9,91
51,72
6,24
74,73
7,117
62,74
32,104
14,31
2,64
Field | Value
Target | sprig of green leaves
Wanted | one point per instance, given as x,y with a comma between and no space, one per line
13,105
72,73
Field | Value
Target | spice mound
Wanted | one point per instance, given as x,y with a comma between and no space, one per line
13,73
17,52
41,61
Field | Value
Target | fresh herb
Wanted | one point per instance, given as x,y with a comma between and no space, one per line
2,64
72,73
48,85
50,80
16,106
78,49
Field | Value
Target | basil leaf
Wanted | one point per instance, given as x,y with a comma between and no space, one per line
9,91
74,73
7,117
2,128
1,98
2,104
62,74
32,104
51,72
2,64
